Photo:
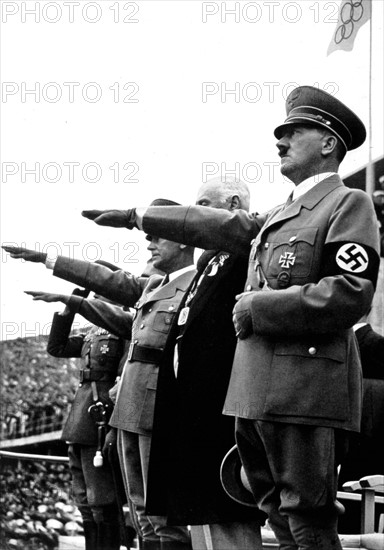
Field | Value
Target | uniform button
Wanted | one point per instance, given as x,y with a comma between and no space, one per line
80,385
249,288
312,351
292,239
171,308
266,245
142,325
167,321
150,309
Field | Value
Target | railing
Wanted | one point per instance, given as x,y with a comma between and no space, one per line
13,427
33,457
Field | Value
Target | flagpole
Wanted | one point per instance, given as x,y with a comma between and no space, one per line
370,175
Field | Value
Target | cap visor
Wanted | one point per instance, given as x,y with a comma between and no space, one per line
230,475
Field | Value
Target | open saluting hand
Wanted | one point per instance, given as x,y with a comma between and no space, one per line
47,296
26,254
112,218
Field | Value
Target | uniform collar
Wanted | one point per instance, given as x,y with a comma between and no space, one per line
359,325
172,276
310,182
182,280
309,200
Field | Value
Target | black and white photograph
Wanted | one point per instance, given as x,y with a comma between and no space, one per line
192,275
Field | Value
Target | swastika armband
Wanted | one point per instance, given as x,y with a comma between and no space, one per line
350,258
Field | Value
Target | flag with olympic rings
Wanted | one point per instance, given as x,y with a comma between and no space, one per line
352,16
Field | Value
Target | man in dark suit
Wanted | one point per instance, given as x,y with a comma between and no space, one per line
371,346
295,386
190,434
365,454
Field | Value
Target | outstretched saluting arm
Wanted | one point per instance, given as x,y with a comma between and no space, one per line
199,226
98,312
119,286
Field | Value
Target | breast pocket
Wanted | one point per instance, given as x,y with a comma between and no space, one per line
164,317
293,251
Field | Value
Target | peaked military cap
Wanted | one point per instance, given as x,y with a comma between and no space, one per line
309,105
234,480
164,202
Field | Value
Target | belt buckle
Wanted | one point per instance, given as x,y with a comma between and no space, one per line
130,350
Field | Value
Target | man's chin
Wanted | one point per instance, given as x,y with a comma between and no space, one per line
287,169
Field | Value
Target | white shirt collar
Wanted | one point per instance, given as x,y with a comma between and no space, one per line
310,182
359,325
181,271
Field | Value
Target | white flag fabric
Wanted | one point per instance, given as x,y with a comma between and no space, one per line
352,16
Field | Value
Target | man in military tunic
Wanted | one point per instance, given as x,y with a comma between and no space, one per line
93,484
295,387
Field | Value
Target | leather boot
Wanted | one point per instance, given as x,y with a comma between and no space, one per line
130,537
108,537
90,535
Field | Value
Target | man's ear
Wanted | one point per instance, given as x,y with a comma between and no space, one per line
329,144
235,202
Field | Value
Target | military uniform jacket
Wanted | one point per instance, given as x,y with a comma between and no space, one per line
155,313
156,307
312,273
101,352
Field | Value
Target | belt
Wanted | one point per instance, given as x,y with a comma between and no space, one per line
144,354
96,375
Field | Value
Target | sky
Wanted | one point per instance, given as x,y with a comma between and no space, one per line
111,104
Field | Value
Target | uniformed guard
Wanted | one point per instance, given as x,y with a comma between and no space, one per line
93,478
85,429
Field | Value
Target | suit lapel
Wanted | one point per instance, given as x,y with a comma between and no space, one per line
208,282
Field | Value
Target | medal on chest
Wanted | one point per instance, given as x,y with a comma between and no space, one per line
214,265
183,316
101,331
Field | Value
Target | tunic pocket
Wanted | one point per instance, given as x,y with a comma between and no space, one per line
293,251
309,379
164,317
148,408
